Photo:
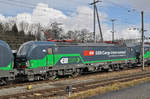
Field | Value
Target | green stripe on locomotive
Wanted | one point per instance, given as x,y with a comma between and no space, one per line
7,68
54,59
147,54
6,57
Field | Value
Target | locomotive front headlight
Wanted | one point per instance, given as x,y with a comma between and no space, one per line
27,63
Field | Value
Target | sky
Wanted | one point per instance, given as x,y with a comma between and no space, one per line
78,14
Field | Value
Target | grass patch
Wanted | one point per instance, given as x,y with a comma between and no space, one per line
112,87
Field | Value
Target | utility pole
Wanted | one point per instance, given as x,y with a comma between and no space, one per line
95,11
142,44
94,34
113,29
99,24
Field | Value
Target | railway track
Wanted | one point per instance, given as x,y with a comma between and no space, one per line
59,89
16,84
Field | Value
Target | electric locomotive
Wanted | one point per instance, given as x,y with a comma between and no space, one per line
42,59
7,72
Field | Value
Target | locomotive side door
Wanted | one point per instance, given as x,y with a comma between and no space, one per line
138,57
50,57
133,54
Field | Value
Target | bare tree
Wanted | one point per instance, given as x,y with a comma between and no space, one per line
54,31
6,27
79,35
1,28
14,29
38,32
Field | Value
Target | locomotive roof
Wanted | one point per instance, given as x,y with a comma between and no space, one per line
65,43
136,44
38,43
83,44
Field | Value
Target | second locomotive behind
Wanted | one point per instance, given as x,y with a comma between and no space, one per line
7,71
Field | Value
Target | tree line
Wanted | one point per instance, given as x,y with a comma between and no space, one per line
53,31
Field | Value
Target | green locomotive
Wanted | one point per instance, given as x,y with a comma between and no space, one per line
44,59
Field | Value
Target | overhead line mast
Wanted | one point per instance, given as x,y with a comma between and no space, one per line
94,20
142,44
100,29
113,30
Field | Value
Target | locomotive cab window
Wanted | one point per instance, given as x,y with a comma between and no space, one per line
50,51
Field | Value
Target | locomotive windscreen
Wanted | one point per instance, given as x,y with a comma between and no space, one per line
24,49
6,55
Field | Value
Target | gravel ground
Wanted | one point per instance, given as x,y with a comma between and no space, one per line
42,86
50,85
140,91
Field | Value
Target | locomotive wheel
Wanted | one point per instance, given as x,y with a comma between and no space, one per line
52,77
3,82
117,67
75,74
31,78
121,67
111,68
